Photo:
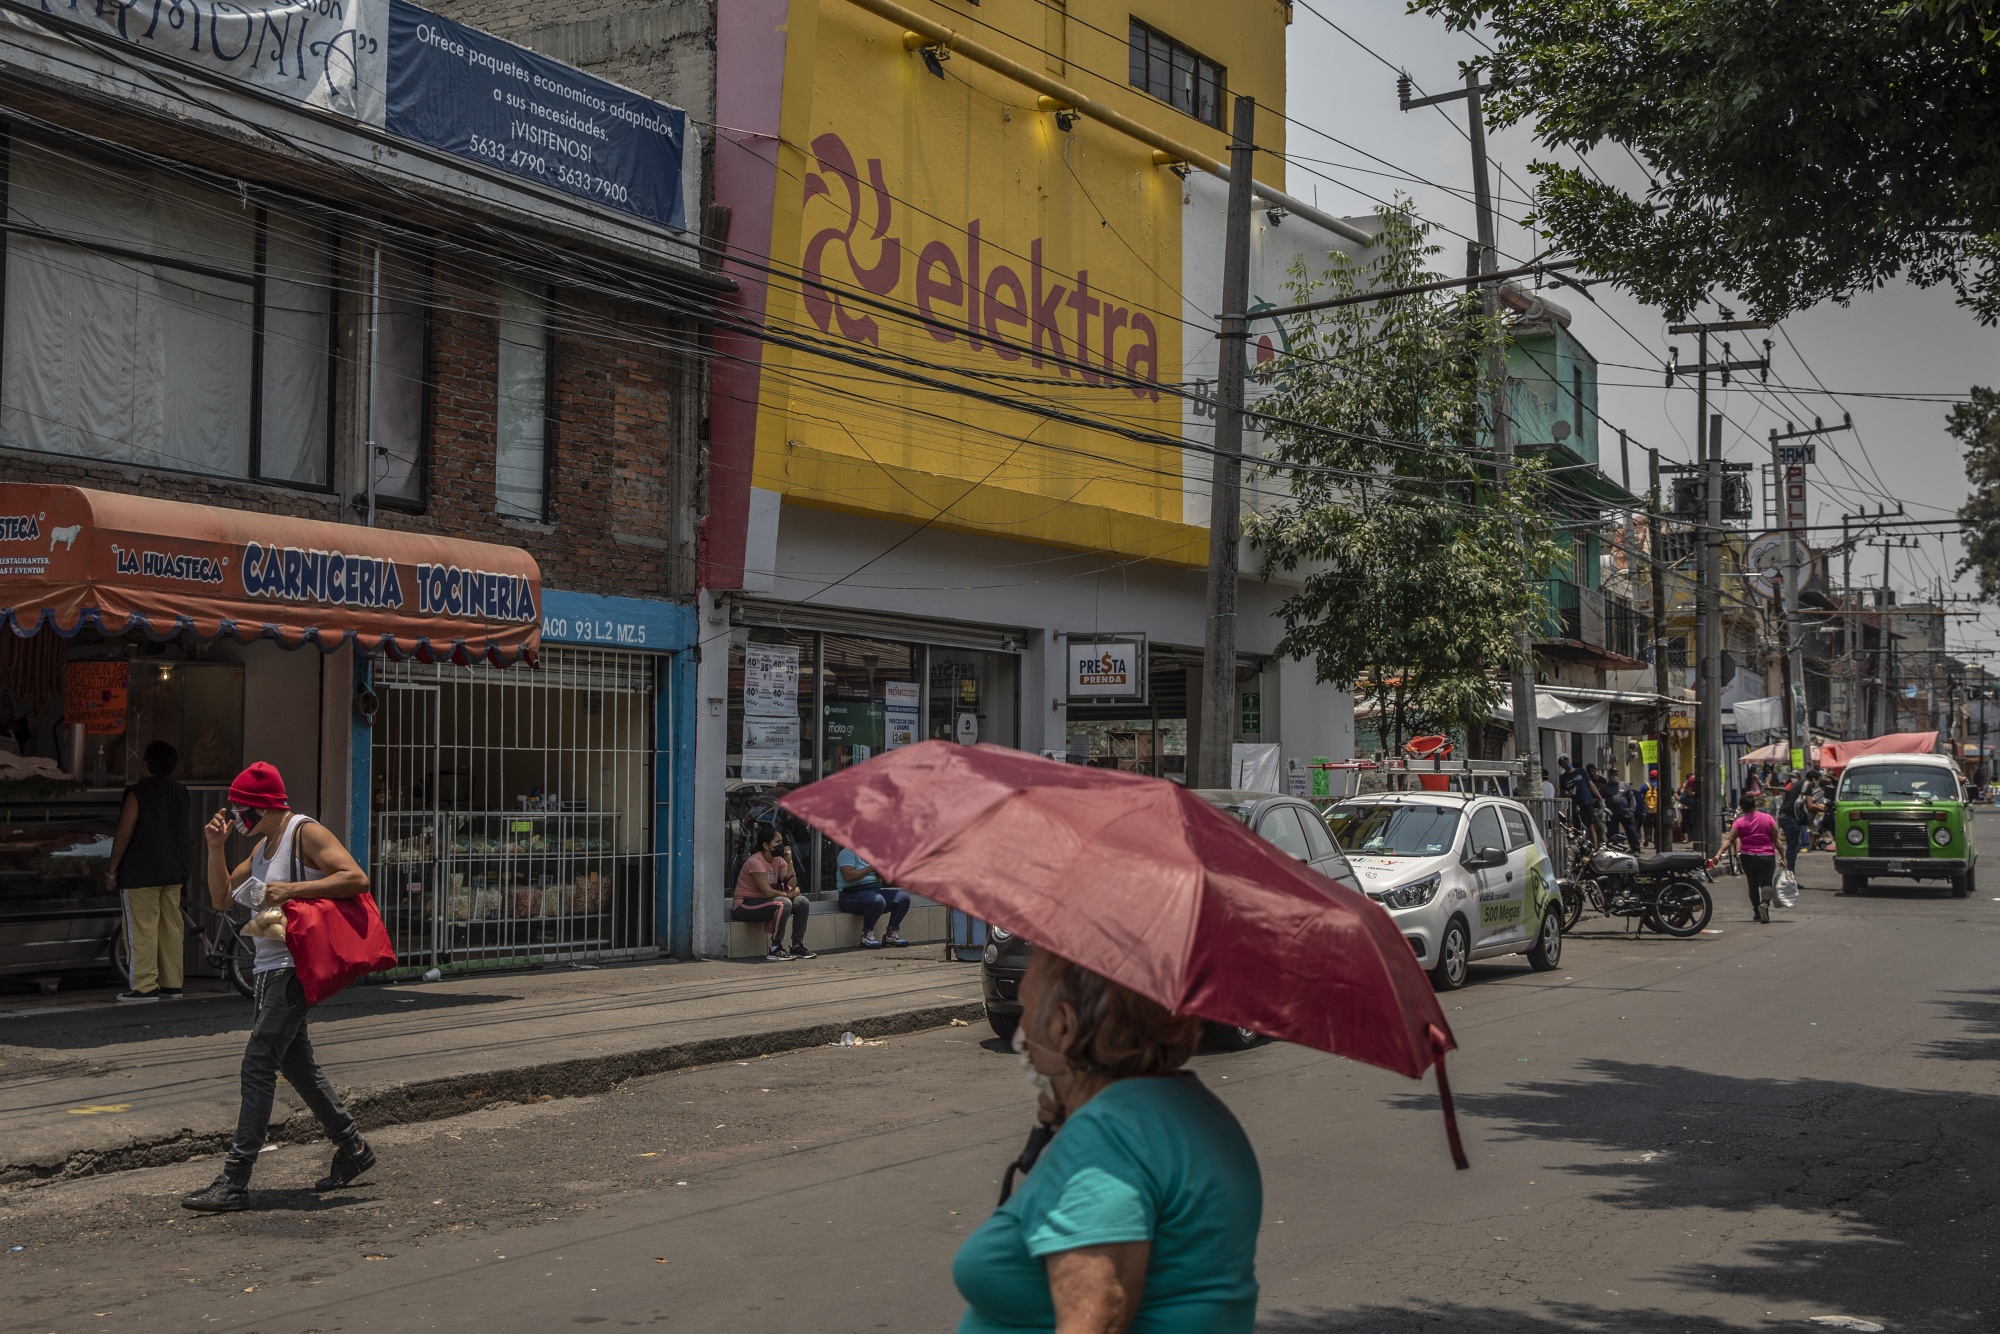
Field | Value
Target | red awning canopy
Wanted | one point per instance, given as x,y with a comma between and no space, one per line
1834,755
71,557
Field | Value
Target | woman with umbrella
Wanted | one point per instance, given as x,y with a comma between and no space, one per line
1146,1206
1151,910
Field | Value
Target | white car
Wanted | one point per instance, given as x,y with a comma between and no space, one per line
1465,877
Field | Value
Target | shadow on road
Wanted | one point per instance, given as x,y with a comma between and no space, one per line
1979,1014
1887,1183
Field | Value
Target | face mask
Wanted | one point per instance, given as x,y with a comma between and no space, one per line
245,823
1041,1081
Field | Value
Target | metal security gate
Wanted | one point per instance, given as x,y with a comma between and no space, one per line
514,809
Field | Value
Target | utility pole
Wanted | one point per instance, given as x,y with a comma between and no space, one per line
1708,591
1527,734
1798,735
1663,838
1218,660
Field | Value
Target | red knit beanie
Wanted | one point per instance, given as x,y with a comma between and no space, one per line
259,787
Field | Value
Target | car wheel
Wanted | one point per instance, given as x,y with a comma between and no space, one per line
1547,954
1961,885
1853,884
1003,1025
1452,966
1227,1037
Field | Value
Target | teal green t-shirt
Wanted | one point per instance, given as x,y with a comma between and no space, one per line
1157,1160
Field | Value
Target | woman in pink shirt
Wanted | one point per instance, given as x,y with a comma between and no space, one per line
1757,842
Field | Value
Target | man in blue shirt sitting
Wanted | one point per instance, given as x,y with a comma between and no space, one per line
863,893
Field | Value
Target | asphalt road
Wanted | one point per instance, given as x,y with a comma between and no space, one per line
1739,1132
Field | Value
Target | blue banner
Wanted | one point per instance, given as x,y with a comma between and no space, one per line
485,99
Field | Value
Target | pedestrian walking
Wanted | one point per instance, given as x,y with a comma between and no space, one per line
149,868
1794,817
1143,1211
767,891
292,857
1753,837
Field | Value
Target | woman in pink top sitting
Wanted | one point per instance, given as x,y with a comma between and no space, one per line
1757,842
767,891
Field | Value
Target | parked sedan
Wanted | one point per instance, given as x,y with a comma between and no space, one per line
1291,825
1465,877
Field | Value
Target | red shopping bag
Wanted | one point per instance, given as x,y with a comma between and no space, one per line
334,941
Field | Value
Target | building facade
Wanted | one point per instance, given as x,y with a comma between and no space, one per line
959,439
436,311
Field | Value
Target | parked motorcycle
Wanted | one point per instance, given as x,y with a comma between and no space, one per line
1667,892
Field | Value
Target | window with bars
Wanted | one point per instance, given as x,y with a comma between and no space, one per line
1189,82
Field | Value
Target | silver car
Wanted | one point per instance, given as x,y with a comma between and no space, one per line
1465,877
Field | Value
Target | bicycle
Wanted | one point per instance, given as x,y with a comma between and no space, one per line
223,947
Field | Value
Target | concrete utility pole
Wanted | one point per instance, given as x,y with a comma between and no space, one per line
1527,734
1798,734
1708,590
1218,659
1663,838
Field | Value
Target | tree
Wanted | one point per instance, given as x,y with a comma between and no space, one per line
1975,424
1797,150
1418,568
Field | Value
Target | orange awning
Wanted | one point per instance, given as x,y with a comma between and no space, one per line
71,557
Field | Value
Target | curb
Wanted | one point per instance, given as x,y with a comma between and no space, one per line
418,1100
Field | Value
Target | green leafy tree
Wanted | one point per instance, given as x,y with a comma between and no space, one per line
1418,568
1975,424
1796,150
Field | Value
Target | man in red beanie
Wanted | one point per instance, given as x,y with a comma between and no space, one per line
292,856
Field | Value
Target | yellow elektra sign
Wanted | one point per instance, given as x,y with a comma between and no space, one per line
951,231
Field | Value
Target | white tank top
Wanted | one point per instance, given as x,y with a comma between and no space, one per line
276,869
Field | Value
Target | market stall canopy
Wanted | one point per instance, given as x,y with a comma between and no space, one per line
1834,755
71,557
1780,752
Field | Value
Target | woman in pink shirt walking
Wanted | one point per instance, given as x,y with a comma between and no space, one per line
1756,839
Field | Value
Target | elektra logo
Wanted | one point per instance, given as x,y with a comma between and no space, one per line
448,590
291,574
21,527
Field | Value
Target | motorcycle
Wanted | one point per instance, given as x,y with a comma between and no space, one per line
1667,892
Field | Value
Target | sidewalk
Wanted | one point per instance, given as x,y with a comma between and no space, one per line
103,1087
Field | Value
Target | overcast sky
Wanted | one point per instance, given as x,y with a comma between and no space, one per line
1896,341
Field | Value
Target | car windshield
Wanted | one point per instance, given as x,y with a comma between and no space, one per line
1899,782
1393,831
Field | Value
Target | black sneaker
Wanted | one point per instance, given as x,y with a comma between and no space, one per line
221,1196
349,1162
138,997
776,951
801,952
170,993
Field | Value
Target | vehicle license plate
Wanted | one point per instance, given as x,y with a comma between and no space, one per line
1898,868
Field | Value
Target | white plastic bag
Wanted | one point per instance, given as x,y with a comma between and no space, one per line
1785,889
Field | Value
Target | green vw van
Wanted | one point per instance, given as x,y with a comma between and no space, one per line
1903,817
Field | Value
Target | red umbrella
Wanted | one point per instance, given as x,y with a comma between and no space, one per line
1143,882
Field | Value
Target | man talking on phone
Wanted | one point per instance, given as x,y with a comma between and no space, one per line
292,856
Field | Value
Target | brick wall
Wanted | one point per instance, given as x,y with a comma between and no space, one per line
624,432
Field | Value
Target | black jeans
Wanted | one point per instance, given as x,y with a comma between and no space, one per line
279,1045
870,903
1758,868
798,909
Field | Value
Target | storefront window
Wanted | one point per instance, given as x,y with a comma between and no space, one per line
797,696
972,696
